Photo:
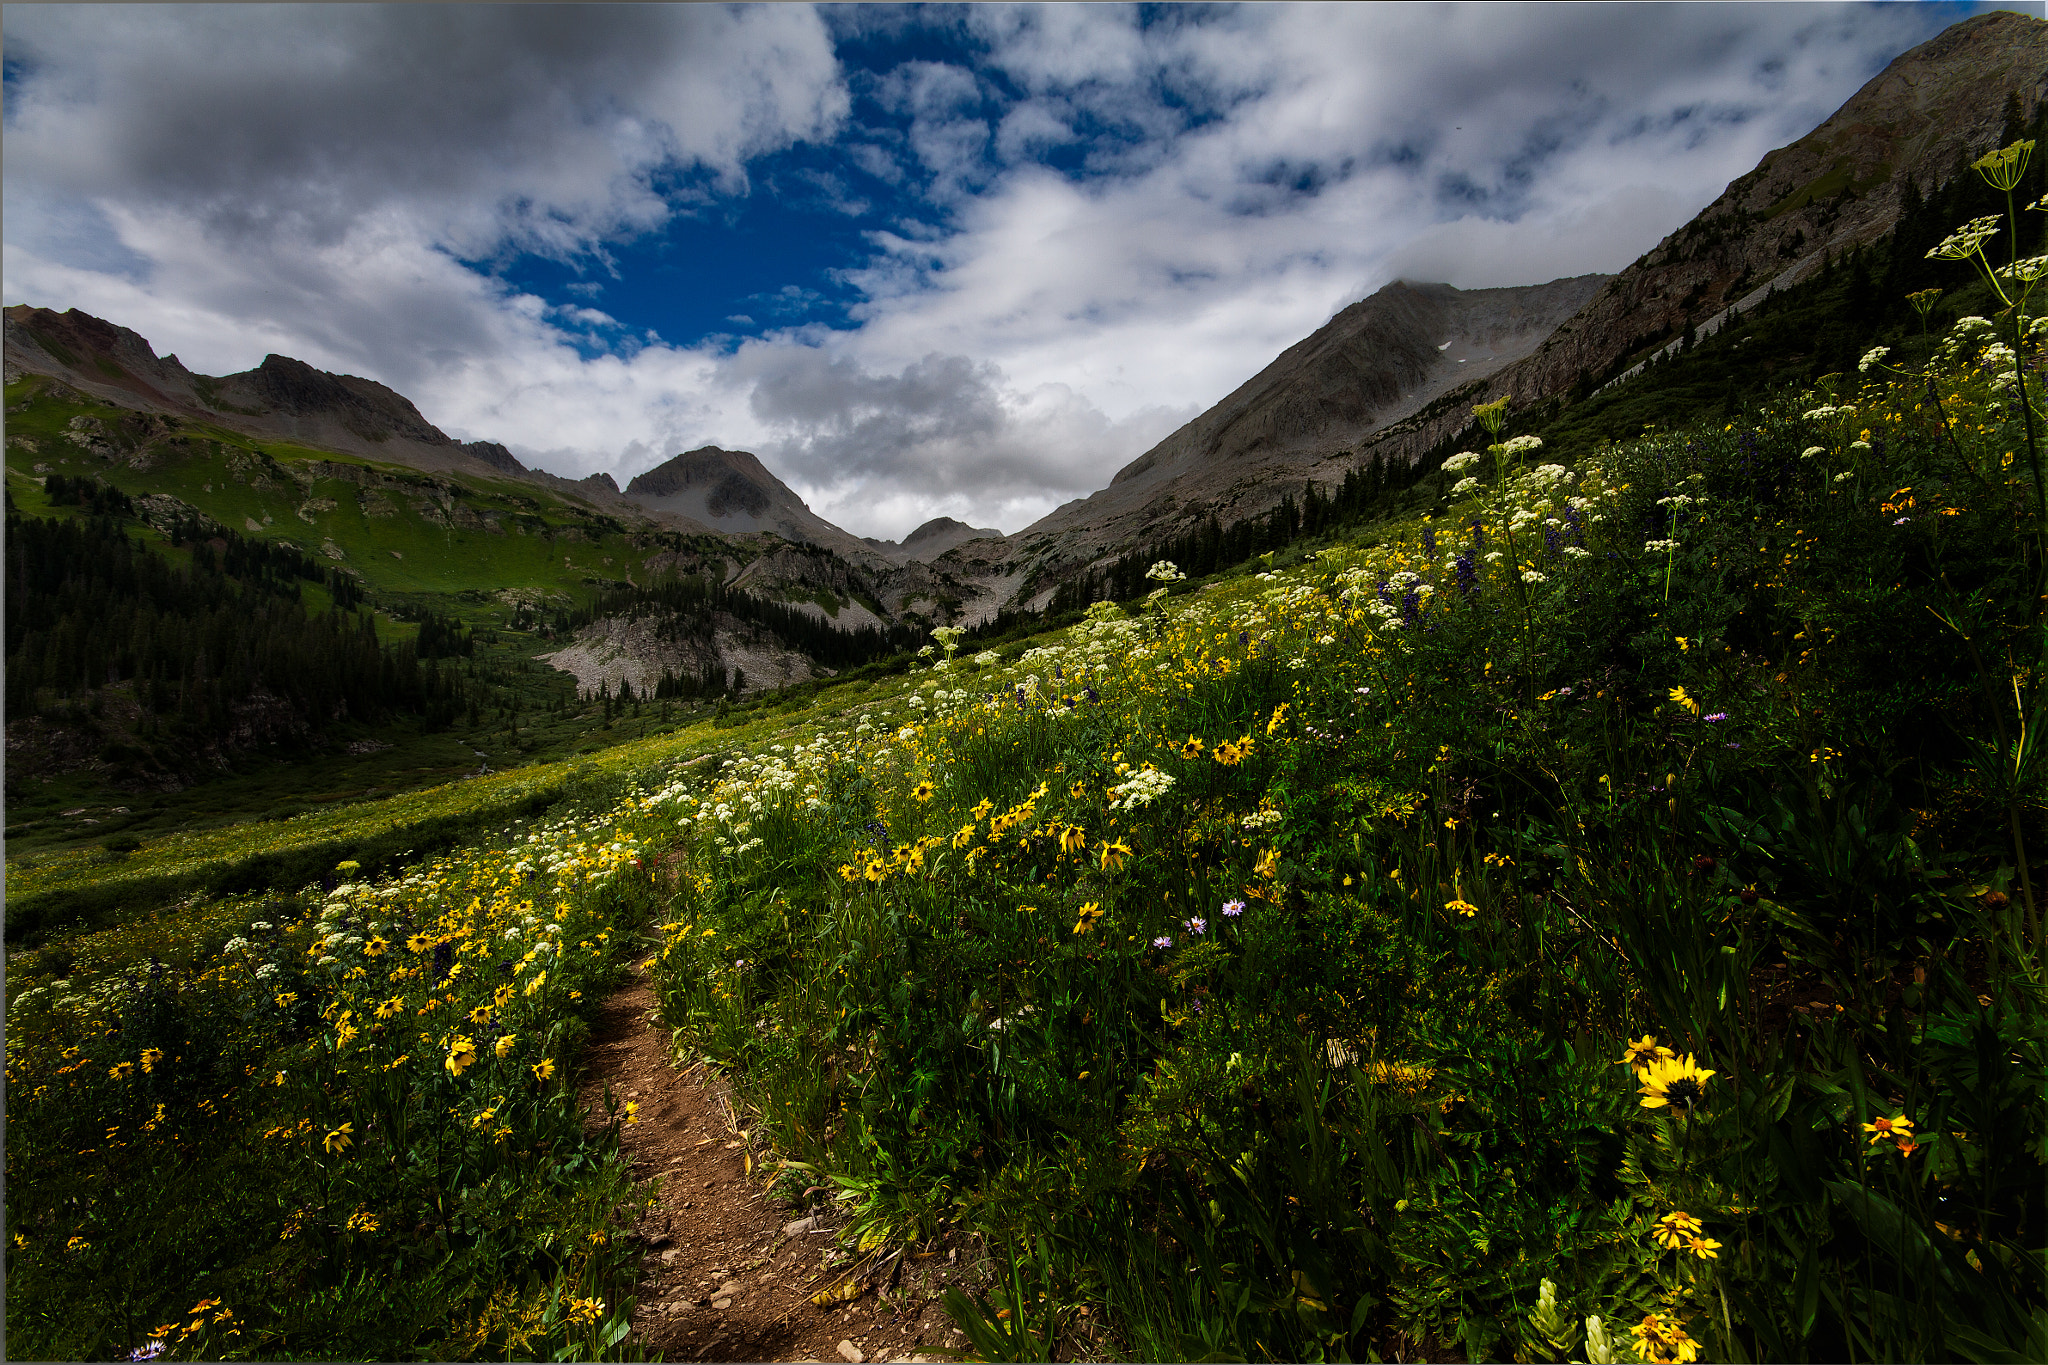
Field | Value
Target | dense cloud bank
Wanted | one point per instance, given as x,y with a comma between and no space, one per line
1081,224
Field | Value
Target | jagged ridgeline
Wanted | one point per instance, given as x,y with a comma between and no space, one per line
1702,365
684,612
221,642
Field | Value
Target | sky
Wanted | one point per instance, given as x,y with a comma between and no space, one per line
922,260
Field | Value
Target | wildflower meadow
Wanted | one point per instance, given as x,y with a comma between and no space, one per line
1600,920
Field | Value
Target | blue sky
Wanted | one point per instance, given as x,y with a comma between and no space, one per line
922,260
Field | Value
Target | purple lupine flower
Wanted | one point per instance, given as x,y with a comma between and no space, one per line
1429,541
1467,574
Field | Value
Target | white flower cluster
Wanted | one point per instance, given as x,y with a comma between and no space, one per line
1165,571
1966,240
1462,461
1142,788
1967,334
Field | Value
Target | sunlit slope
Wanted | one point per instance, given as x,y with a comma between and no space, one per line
398,529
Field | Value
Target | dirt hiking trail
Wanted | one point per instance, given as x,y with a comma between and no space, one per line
730,1271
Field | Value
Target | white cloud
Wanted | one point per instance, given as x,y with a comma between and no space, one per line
233,180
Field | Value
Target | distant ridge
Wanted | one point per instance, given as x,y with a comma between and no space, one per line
931,540
1305,414
732,492
281,399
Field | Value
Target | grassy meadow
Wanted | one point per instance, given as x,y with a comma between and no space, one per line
1599,921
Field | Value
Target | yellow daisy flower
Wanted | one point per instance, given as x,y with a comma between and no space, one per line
1675,1082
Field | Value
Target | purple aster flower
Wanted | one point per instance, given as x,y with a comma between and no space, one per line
1163,941
1232,909
1197,926
1717,717
148,1352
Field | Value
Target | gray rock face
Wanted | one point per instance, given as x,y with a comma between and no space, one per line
1305,416
495,455
731,491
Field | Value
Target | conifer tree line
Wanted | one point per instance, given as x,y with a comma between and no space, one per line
88,607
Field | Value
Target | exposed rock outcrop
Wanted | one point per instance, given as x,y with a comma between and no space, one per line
638,650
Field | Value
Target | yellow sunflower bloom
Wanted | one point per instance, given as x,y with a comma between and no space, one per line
1673,1229
1659,1338
1675,1082
337,1141
1644,1051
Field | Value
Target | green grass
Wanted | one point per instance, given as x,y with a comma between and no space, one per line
1723,797
544,543
1281,971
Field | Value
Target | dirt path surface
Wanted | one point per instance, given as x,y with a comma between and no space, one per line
730,1272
